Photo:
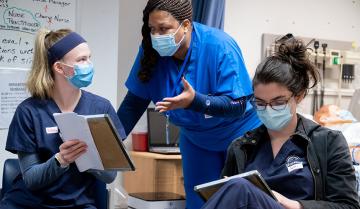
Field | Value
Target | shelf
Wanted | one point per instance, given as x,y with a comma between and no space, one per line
334,92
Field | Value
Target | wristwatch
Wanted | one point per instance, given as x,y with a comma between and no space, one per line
57,160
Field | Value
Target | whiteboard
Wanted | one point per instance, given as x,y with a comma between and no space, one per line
21,19
19,22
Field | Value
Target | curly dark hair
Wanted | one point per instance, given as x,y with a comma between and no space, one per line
180,9
289,66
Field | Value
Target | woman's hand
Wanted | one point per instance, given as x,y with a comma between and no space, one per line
182,100
287,203
70,150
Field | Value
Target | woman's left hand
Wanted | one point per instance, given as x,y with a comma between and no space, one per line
287,203
182,100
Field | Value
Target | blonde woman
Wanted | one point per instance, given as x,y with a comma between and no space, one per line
49,178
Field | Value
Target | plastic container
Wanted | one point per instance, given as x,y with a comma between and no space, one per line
121,198
140,141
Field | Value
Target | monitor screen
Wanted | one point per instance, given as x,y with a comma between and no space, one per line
157,130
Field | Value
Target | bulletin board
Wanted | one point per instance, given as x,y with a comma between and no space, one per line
19,22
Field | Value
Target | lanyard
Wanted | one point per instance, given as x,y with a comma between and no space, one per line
182,70
177,83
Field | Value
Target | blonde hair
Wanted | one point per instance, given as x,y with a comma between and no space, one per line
40,82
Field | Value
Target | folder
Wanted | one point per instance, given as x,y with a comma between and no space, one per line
105,151
206,190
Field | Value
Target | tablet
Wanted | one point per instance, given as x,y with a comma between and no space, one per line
109,144
206,190
105,151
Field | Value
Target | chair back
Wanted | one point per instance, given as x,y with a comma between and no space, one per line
11,170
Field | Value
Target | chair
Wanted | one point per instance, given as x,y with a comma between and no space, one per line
101,195
12,169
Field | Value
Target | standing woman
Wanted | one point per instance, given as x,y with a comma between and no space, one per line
196,76
49,177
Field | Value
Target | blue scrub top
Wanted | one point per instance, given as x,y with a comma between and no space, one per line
216,67
28,133
289,173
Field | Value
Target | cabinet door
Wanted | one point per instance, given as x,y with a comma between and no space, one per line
154,173
143,178
168,177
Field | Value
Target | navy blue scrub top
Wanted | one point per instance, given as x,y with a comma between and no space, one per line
289,173
30,131
215,67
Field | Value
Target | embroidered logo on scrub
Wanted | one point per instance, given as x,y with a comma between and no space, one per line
293,162
52,130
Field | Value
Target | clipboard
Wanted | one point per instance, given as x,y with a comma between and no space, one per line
106,150
109,144
206,190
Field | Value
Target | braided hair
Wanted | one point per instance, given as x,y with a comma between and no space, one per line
180,10
290,66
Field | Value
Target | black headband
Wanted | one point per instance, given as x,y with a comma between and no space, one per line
63,46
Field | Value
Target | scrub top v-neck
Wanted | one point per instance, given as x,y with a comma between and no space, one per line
288,173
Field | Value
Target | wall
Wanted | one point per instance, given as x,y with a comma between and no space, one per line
247,20
130,23
98,22
129,42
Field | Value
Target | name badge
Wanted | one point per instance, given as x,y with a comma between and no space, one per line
294,163
52,130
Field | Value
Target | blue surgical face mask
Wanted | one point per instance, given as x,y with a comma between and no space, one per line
83,74
166,45
275,119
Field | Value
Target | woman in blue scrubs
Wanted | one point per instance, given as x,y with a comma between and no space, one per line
307,166
49,177
196,76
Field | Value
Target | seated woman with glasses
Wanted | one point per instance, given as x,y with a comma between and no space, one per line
306,165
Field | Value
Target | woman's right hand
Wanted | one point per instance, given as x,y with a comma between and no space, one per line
287,203
70,150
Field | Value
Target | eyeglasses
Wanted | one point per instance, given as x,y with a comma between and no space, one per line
277,105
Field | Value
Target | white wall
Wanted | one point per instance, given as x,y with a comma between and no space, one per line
98,22
129,42
130,23
247,20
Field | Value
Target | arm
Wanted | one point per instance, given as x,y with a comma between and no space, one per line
130,110
340,181
104,176
220,106
287,203
37,175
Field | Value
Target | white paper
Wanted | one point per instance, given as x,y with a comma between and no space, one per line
74,126
12,93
